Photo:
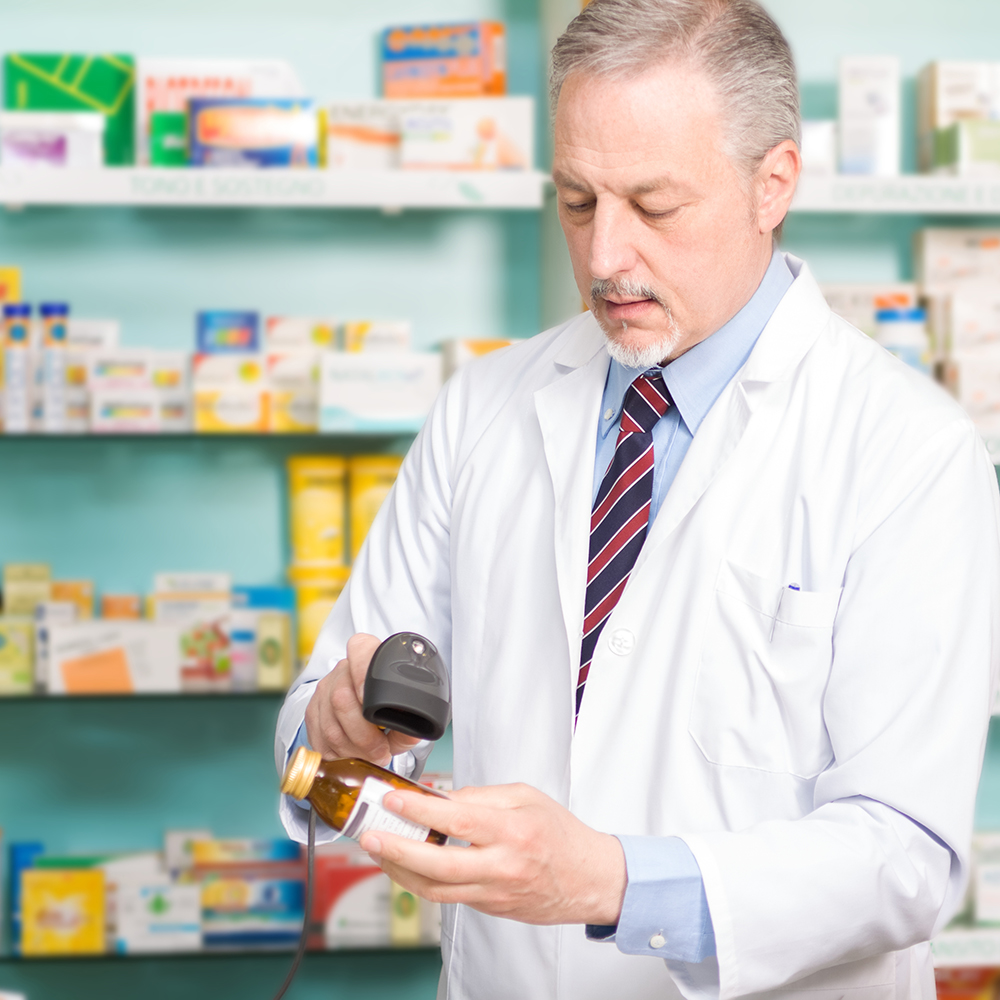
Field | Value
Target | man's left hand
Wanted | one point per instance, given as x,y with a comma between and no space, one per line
529,858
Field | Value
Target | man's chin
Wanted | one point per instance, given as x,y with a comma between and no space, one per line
640,349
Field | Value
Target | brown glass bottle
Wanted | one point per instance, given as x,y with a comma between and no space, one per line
347,795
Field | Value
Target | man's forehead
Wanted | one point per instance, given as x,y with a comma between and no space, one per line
565,177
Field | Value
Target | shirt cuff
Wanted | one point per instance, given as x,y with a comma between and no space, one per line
665,911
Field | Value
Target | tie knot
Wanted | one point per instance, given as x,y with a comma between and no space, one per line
646,400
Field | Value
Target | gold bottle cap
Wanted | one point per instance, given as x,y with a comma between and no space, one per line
300,773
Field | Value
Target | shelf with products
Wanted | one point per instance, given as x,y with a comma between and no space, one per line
275,188
966,947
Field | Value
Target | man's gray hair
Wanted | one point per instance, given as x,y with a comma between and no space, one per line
735,42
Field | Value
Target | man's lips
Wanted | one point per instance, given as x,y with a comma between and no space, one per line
630,309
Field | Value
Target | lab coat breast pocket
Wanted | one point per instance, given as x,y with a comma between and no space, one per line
758,699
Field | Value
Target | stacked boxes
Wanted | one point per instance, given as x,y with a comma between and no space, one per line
869,115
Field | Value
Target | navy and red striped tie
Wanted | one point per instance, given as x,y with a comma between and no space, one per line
621,511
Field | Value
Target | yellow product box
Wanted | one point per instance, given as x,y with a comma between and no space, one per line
376,335
274,651
317,500
293,379
10,284
371,478
25,585
62,911
316,592
78,592
17,643
230,393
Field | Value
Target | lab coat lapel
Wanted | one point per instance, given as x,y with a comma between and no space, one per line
793,328
568,411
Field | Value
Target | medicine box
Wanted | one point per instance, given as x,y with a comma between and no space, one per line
230,393
114,657
376,335
317,590
62,911
167,84
351,902
487,134
226,331
124,411
201,615
951,91
869,115
77,82
314,332
974,319
25,585
317,491
71,139
252,132
968,149
168,139
158,916
293,383
377,392
444,60
17,640
362,135
945,259
47,615
859,302
370,479
460,351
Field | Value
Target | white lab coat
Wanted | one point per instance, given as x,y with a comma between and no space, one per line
818,749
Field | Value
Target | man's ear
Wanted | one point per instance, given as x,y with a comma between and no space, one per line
776,179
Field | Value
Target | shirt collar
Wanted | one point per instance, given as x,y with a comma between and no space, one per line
696,379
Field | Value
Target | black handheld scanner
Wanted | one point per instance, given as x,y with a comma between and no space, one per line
407,687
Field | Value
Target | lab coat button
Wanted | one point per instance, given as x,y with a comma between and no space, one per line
657,941
621,641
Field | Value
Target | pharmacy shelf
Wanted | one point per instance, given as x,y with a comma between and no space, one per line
386,435
143,696
962,947
912,195
390,190
263,952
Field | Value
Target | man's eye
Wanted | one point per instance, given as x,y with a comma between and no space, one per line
578,206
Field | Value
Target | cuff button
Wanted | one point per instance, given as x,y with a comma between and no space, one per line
657,941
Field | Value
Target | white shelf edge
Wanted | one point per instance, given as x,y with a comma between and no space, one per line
274,188
912,194
967,947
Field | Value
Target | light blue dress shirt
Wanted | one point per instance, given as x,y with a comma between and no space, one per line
665,901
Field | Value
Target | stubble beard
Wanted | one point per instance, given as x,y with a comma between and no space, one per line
648,353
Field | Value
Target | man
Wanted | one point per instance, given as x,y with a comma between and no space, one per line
716,576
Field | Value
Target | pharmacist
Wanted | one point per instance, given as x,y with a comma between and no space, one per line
718,580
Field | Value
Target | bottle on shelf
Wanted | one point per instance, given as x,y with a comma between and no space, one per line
347,795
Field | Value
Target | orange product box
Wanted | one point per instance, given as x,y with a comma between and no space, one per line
121,606
444,60
78,592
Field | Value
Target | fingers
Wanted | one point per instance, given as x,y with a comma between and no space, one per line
360,650
398,743
477,824
452,865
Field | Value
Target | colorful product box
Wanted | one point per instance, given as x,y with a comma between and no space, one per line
22,856
293,380
362,135
252,132
227,331
17,640
78,82
377,392
495,133
317,489
121,606
211,853
371,478
317,590
950,91
376,335
351,900
973,320
242,911
10,284
230,393
120,368
300,332
32,139
968,149
25,585
858,303
261,637
165,85
114,657
168,139
80,593
47,615
125,411
946,259
444,60
62,912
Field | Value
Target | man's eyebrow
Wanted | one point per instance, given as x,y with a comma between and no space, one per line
647,187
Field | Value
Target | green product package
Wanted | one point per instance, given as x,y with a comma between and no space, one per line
967,143
168,139
103,83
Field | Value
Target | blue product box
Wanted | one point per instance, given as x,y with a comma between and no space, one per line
264,598
22,856
251,912
224,331
252,132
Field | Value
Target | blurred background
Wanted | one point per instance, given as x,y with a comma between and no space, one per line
233,278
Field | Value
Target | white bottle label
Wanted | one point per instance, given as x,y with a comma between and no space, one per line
368,814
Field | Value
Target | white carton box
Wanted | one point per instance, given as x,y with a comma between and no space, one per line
974,380
376,335
102,656
166,84
293,382
125,411
950,91
489,133
157,915
67,139
92,333
945,259
363,135
372,392
819,148
120,368
47,615
973,322
869,115
298,332
18,389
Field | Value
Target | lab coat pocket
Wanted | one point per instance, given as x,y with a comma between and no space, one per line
758,699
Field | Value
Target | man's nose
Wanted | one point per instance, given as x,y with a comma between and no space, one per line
611,249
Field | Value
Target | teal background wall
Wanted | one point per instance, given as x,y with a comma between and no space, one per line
113,774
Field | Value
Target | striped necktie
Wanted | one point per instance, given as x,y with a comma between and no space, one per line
621,511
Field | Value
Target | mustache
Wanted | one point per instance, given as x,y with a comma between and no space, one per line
601,288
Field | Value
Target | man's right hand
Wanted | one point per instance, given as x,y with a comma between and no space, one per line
334,723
